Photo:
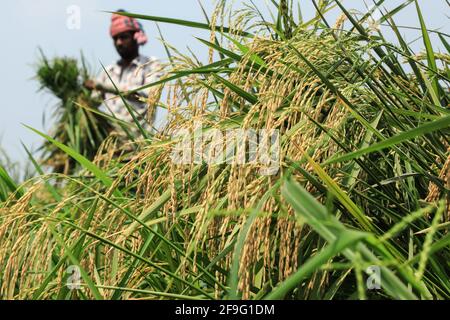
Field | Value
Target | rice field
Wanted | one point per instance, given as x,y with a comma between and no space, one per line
358,206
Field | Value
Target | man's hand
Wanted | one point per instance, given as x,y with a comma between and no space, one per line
90,84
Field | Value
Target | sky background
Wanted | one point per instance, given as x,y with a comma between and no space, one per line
29,24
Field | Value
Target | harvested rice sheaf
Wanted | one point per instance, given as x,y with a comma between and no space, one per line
74,125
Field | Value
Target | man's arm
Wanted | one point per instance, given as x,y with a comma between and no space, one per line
93,85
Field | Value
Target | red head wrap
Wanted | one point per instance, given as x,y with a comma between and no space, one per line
121,24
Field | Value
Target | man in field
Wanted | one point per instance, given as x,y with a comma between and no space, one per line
130,72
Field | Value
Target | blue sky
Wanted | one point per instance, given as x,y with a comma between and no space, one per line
28,24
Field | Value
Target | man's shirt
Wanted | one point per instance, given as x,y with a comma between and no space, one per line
141,71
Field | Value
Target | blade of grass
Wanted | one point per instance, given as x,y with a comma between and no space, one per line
80,159
328,227
429,49
442,123
185,23
10,184
346,239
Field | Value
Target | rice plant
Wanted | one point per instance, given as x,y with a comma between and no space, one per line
363,181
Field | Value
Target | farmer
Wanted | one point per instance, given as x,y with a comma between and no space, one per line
130,72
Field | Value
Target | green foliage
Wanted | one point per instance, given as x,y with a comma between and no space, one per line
363,181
